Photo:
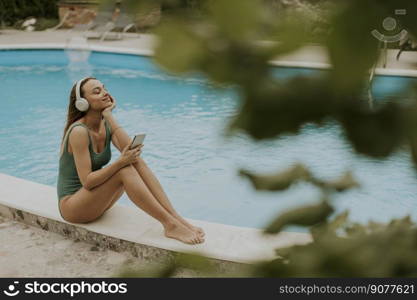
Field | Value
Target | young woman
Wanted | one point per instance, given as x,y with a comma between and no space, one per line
87,188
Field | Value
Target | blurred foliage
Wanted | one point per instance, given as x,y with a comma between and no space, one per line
375,250
284,179
232,42
12,11
181,265
303,216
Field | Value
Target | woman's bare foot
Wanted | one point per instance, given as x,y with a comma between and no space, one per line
180,232
196,229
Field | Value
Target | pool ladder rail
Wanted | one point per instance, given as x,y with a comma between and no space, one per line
372,73
406,44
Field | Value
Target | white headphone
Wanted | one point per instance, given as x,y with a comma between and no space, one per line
80,103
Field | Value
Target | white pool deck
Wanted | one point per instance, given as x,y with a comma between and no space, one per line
223,242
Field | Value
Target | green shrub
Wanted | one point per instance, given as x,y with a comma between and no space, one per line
43,23
12,11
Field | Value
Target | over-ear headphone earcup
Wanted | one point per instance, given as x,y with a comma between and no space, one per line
82,104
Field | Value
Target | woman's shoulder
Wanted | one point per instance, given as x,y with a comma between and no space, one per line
75,134
78,133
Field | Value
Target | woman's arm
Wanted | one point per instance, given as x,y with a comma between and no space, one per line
119,137
78,139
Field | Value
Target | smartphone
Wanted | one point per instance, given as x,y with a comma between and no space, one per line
137,140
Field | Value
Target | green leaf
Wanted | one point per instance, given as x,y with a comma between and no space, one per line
375,133
193,261
278,181
238,19
342,184
330,228
284,253
304,216
272,108
178,50
338,221
352,48
287,32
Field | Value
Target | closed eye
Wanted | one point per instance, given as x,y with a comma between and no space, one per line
98,89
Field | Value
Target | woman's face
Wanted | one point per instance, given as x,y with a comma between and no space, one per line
96,94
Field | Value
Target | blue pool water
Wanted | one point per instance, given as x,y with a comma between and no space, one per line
183,120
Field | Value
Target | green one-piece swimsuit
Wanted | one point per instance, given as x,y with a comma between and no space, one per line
68,179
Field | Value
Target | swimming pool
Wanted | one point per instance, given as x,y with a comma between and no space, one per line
183,120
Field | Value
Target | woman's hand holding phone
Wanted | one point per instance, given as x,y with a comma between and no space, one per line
130,156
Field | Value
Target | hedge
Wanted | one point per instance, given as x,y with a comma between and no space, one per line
11,11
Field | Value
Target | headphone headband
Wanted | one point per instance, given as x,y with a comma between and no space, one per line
78,88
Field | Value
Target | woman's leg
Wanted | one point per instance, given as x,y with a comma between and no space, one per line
116,197
87,205
155,187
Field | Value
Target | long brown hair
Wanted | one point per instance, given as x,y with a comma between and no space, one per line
73,113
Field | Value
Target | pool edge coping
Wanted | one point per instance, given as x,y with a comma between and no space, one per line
36,204
144,252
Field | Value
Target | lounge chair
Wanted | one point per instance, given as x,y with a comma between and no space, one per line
123,23
70,13
100,31
104,15
120,26
64,18
101,19
60,23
